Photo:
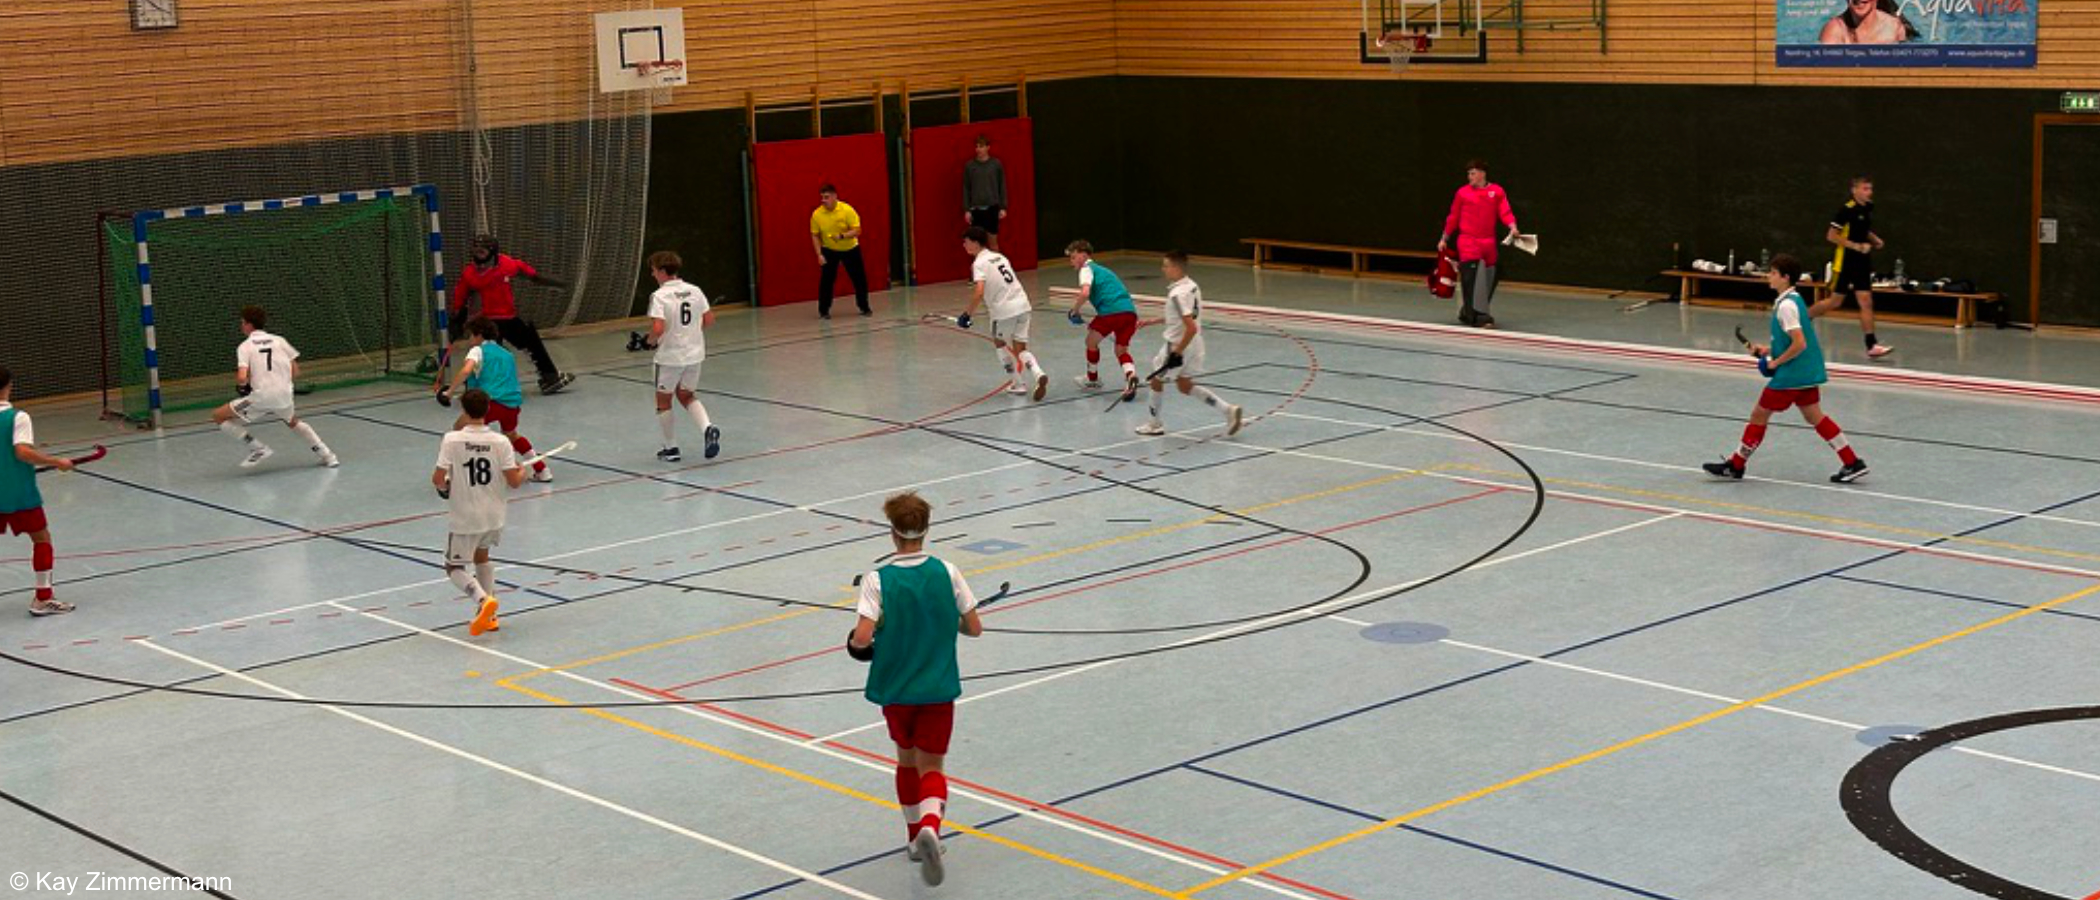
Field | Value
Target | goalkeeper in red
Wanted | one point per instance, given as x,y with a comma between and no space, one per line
1794,363
914,607
489,277
21,506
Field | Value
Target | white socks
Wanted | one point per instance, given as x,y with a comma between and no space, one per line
699,414
306,433
669,428
1158,399
466,582
1203,393
485,576
238,430
1029,365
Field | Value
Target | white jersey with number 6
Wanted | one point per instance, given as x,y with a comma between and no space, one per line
268,359
1184,298
680,307
1004,298
477,459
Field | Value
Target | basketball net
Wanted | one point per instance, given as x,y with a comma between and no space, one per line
659,96
1400,48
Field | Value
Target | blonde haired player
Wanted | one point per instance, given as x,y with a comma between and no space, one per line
1182,356
268,364
679,315
470,464
1006,301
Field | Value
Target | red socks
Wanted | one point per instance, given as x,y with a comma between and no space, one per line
1829,431
42,558
524,448
908,796
1753,437
933,800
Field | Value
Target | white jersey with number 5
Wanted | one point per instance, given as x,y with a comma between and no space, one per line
1184,298
1004,298
268,359
477,459
680,307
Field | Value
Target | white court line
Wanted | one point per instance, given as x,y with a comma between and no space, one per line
1853,490
558,787
690,709
969,699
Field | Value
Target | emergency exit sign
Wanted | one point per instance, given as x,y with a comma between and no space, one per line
2081,101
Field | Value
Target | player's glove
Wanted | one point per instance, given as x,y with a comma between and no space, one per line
1174,360
1764,366
863,654
243,390
962,321
1075,318
444,397
444,493
637,342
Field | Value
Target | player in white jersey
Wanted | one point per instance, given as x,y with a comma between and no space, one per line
1182,354
679,315
476,468
268,364
1006,302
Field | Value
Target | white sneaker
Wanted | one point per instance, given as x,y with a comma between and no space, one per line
1151,429
1017,389
41,608
928,843
1087,384
541,476
328,461
257,455
1233,421
1879,350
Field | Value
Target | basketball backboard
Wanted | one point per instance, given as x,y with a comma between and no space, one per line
633,45
1453,27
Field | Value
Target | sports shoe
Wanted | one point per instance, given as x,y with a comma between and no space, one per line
257,455
1879,350
1233,420
556,384
928,843
41,608
668,454
1130,386
1087,384
1853,471
713,436
1042,386
1151,429
911,849
1724,469
1017,388
541,476
328,461
484,617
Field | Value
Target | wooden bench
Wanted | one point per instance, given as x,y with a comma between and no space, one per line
1964,303
1359,257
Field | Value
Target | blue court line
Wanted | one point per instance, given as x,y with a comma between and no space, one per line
1472,845
1911,588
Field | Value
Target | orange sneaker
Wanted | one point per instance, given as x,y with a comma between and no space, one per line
484,618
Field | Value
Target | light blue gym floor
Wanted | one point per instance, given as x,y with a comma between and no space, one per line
1446,620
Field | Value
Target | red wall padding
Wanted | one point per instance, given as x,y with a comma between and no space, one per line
937,157
788,174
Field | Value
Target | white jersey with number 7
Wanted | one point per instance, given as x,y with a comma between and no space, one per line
268,359
477,458
680,306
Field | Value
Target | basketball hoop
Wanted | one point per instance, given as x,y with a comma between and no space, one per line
1400,48
673,69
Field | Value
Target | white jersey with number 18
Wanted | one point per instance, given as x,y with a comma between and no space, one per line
477,459
680,306
268,359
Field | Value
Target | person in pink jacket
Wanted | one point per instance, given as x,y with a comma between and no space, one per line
1475,211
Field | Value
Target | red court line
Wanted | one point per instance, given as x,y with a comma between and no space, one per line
1133,576
2095,896
1033,805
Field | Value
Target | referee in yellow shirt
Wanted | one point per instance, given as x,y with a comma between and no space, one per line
834,230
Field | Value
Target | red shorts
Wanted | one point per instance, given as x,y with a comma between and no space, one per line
923,728
1780,399
28,521
1122,325
502,418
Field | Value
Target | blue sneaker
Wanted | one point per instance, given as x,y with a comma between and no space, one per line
714,442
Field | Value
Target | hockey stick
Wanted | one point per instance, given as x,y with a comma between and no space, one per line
937,317
545,455
1741,337
1126,395
98,452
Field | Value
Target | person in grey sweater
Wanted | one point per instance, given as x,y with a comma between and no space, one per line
984,191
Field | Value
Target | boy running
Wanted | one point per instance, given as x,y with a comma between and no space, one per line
1794,363
494,370
470,462
916,604
1182,355
1852,271
1115,313
268,364
678,314
21,506
1007,303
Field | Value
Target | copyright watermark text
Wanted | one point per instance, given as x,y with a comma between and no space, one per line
69,885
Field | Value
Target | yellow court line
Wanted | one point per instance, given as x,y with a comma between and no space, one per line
841,789
1790,514
1041,557
1631,743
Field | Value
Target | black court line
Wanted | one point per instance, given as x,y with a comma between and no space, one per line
1970,598
200,885
1412,351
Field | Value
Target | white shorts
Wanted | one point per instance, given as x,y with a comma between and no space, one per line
1012,329
460,548
672,379
1191,361
250,411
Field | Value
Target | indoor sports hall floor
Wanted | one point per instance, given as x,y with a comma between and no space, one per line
1407,673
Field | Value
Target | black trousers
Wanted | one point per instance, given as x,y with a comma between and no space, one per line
856,269
520,334
1477,280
